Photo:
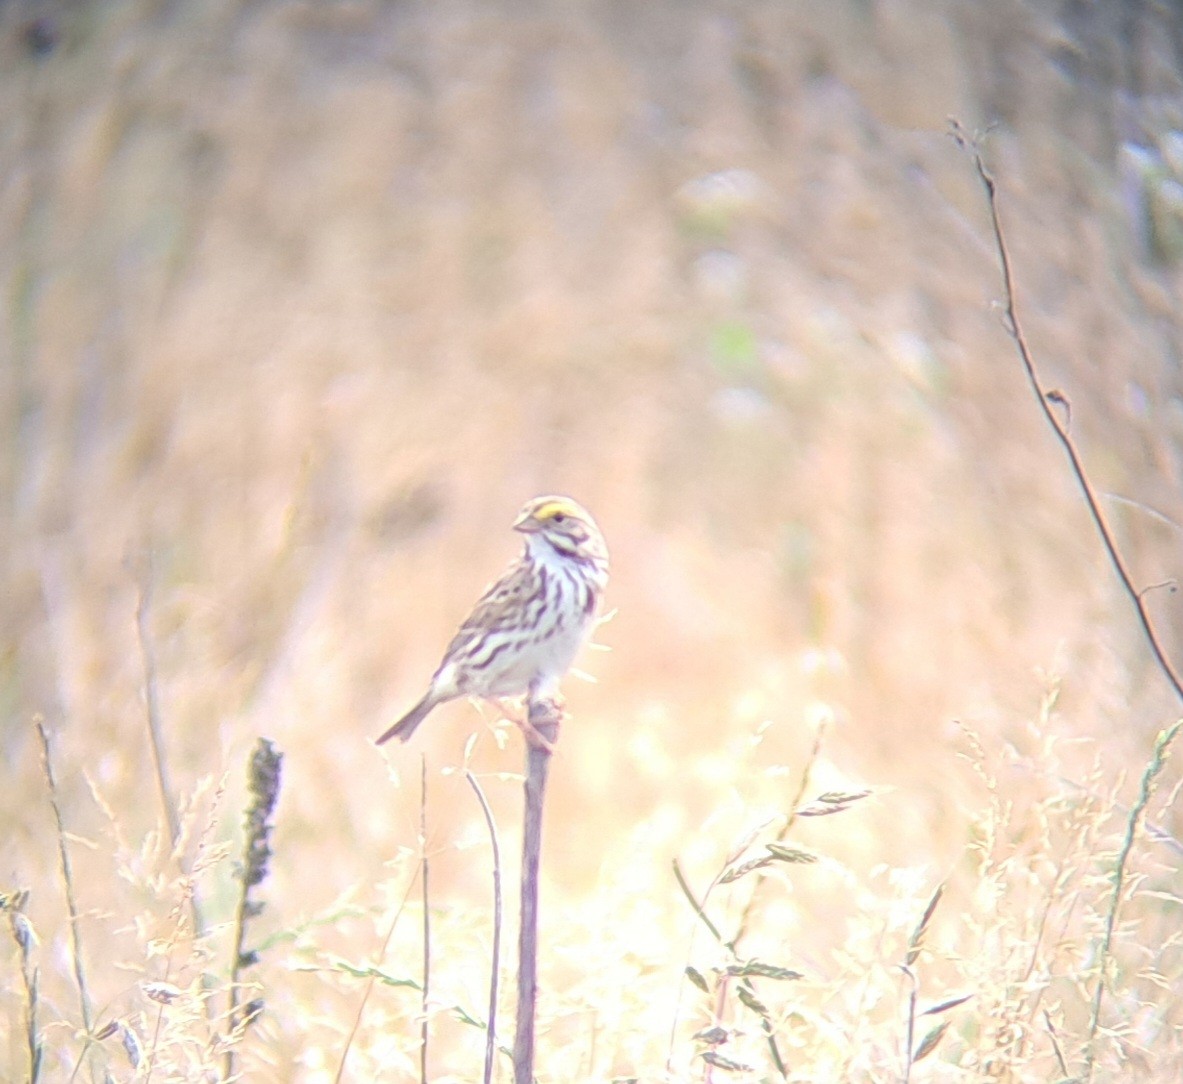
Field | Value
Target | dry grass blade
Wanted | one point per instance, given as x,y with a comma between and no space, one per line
1051,1031
945,1006
781,853
744,993
131,1044
930,1041
744,868
712,1036
697,907
163,993
67,879
916,941
712,1057
716,1059
758,969
833,801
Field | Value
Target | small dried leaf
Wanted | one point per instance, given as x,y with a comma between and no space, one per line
917,938
696,978
790,854
833,801
843,797
15,900
720,1062
131,1045
22,930
751,1001
945,1006
929,1043
163,993
761,970
107,1030
371,972
744,868
714,1036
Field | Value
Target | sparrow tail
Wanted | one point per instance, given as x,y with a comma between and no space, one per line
405,727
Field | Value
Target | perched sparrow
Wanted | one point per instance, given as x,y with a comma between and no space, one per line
524,632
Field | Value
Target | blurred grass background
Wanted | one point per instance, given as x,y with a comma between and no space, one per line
303,300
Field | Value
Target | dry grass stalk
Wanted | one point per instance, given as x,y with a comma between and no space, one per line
13,906
67,872
1133,823
425,866
263,784
153,718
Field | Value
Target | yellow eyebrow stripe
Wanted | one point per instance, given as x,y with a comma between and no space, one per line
552,508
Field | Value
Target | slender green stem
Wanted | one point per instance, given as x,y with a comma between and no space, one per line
1137,814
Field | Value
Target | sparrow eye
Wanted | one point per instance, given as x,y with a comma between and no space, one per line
559,517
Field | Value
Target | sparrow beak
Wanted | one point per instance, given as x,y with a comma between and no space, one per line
526,523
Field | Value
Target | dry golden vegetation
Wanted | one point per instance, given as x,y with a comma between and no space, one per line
303,299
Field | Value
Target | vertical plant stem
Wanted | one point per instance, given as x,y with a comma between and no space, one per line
495,963
152,698
426,917
13,904
339,1076
910,1029
1161,750
67,880
263,779
544,719
745,917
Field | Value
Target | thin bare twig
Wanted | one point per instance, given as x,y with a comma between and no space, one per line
1047,398
495,963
